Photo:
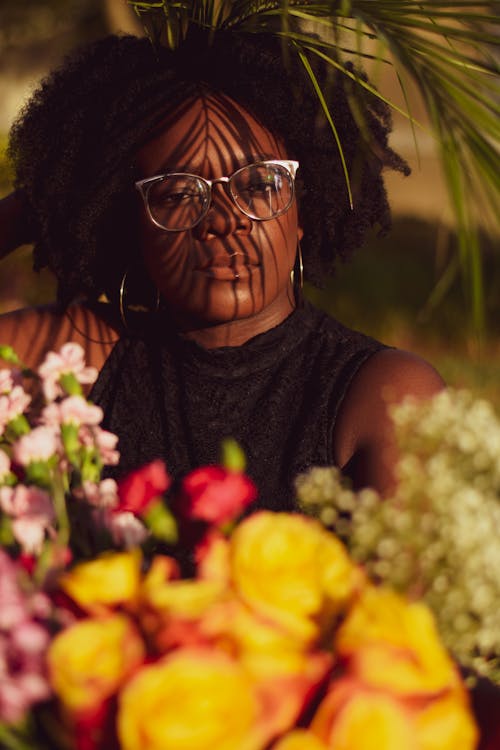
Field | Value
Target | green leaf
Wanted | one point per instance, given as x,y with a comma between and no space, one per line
232,455
40,473
329,117
161,522
17,427
6,535
8,354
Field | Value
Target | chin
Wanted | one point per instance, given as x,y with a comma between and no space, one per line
240,309
226,302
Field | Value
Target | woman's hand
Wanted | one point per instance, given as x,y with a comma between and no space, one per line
15,223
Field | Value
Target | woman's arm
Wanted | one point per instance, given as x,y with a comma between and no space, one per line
15,223
364,442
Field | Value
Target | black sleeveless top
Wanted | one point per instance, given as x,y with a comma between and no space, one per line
278,395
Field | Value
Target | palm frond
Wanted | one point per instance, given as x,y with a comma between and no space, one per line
449,50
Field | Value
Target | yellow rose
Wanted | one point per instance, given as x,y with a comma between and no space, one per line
90,660
356,716
290,569
188,599
352,718
398,681
284,673
447,724
191,699
111,579
248,632
300,739
393,644
213,558
172,611
162,569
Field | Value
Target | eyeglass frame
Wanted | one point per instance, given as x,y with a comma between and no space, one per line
144,185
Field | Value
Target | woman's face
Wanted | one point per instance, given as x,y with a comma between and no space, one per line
228,268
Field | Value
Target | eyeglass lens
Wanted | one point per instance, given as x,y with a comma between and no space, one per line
261,191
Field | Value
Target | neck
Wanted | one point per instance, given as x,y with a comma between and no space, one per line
237,332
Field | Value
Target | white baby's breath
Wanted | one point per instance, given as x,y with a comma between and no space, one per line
438,536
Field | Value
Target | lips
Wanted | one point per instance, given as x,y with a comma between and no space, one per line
228,267
225,272
234,261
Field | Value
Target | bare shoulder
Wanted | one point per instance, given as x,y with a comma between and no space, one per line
391,374
33,331
363,437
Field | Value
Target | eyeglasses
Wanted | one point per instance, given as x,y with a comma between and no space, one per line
178,201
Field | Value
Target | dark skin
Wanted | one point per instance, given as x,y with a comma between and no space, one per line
228,279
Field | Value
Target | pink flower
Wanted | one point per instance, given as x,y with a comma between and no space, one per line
69,360
215,495
30,637
76,410
38,445
13,607
23,643
6,381
106,443
138,489
34,685
40,605
72,410
33,514
4,465
103,441
22,678
13,404
126,529
13,702
29,531
102,495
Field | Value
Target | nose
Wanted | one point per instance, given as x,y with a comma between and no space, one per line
223,217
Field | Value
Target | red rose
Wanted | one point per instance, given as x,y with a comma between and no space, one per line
136,490
215,495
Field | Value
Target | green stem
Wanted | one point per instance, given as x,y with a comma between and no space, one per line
10,739
63,525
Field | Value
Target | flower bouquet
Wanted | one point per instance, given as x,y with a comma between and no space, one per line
274,640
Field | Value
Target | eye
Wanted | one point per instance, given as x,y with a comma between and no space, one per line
174,199
261,188
260,185
175,191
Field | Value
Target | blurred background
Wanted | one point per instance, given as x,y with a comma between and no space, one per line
404,288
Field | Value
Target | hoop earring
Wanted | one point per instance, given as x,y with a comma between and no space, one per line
297,277
135,308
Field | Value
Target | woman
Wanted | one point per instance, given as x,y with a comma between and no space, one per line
191,180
